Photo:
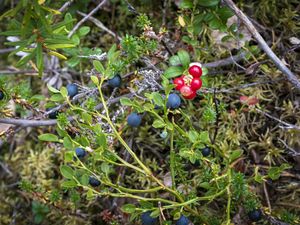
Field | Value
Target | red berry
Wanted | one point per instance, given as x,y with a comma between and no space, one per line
186,91
179,82
195,71
191,96
196,84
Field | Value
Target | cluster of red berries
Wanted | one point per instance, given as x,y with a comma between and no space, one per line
189,84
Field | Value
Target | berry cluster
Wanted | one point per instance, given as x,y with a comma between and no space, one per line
189,84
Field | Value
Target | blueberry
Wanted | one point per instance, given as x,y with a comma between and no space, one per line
255,215
94,182
115,81
1,95
174,101
80,153
52,115
205,151
147,219
72,90
182,221
134,120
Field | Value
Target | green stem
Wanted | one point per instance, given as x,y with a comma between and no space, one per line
139,191
172,160
229,197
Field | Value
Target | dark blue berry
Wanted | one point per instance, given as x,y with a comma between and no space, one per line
134,120
1,95
174,101
147,219
72,90
182,221
205,151
53,115
94,182
115,81
80,153
255,215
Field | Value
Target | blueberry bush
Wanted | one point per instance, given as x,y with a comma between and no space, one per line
149,112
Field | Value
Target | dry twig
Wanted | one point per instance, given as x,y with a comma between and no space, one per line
280,65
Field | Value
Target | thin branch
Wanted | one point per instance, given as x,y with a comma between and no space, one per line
86,18
28,122
7,50
39,123
65,6
284,69
286,125
99,24
293,151
17,72
225,62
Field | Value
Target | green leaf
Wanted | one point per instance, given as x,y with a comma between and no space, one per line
48,137
64,92
11,33
184,58
204,137
146,205
215,23
175,61
69,21
208,3
74,61
84,30
193,136
126,101
57,39
98,66
205,185
235,155
186,4
84,180
204,71
68,156
87,117
95,80
224,13
66,171
58,55
158,99
68,144
155,213
177,216
89,195
55,46
128,208
158,123
69,184
63,23
37,98
52,89
173,71
105,168
110,54
97,128
275,172
101,140
148,107
57,98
